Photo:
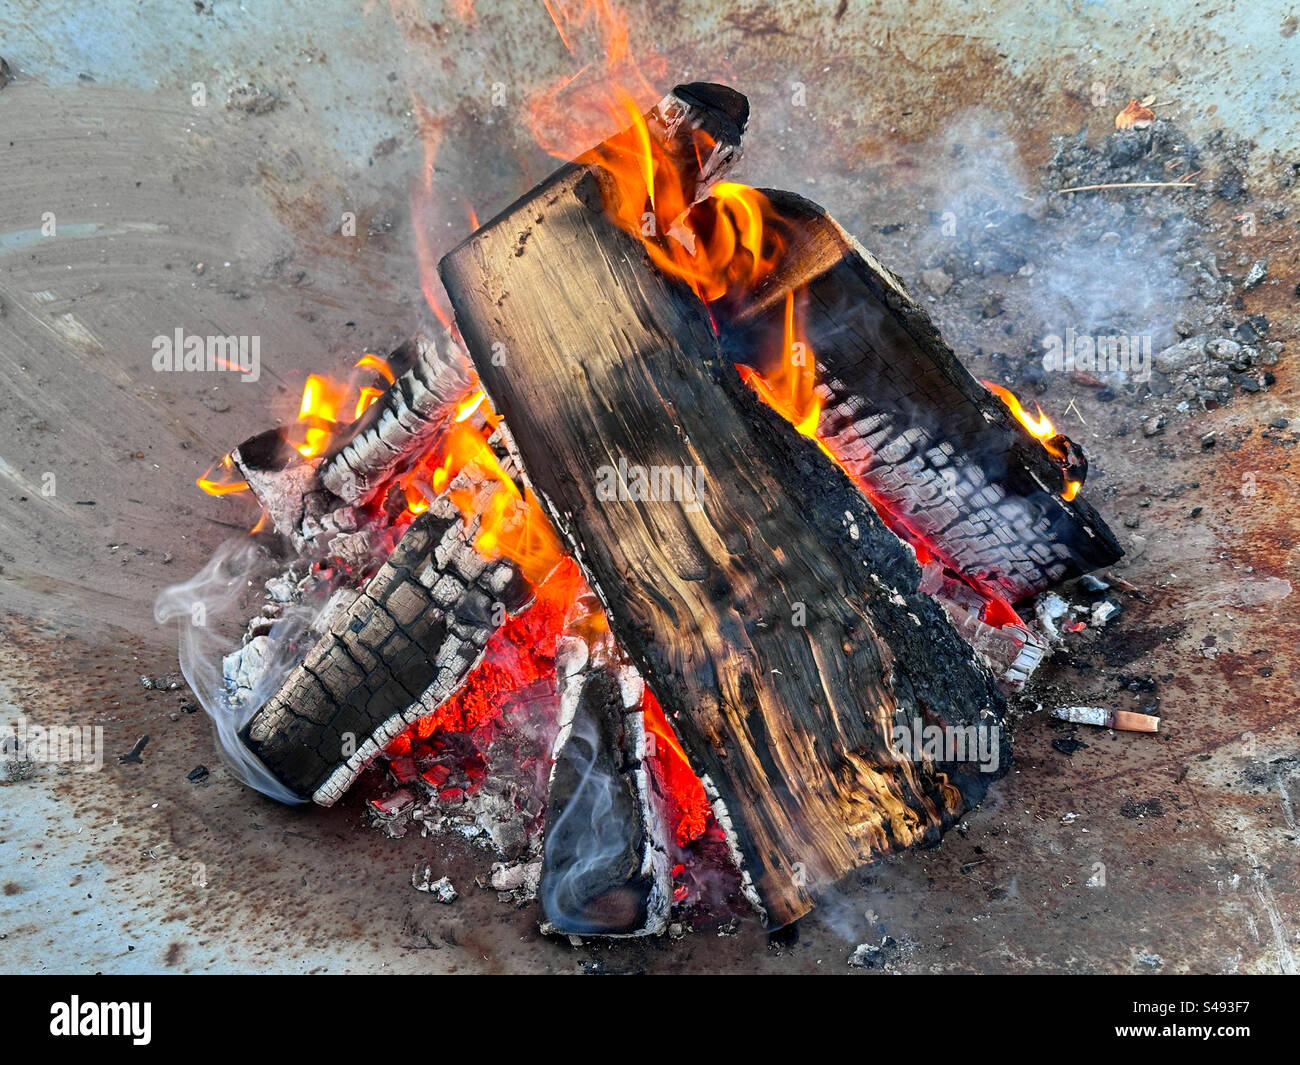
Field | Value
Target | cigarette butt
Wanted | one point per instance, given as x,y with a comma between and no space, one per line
1126,721
1083,715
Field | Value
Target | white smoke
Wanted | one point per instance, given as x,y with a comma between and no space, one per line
198,605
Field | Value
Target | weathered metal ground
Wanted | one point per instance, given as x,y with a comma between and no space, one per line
135,868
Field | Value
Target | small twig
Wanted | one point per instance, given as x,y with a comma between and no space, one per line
1132,185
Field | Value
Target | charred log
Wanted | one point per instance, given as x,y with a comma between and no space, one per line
909,421
398,653
605,862
397,429
773,615
289,490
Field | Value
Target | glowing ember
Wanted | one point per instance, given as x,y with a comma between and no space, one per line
522,653
688,806
519,654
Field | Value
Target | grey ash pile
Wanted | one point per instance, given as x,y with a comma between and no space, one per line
1012,266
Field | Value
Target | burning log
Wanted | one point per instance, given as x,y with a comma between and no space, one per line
368,664
910,424
606,867
774,616
402,649
288,488
398,428
759,581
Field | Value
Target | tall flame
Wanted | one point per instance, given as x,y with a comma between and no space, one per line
726,243
792,389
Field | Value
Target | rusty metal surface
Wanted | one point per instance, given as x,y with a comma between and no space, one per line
134,868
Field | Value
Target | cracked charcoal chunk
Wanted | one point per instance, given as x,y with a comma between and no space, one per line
896,400
392,657
397,428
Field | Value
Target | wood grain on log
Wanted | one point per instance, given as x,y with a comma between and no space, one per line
612,368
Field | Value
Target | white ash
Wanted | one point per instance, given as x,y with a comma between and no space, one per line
358,550
335,606
283,588
243,668
262,624
487,817
1050,608
169,683
516,882
1084,715
393,814
441,889
16,769
251,671
880,955
1103,612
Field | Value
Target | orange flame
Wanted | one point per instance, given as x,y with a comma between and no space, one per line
369,361
416,502
791,390
221,479
1040,428
318,414
725,243
365,398
512,525
469,406
569,114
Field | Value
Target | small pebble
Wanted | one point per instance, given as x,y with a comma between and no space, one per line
1256,275
936,281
